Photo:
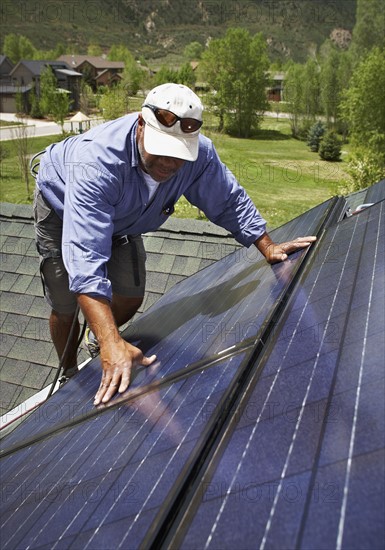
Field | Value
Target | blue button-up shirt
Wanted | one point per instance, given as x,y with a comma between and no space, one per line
93,182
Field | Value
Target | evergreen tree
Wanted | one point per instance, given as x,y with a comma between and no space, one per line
330,147
315,135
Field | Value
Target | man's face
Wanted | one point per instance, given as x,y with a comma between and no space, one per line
159,168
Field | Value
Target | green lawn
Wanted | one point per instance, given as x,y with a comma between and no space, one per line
280,174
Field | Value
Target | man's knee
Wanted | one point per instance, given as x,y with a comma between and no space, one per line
124,307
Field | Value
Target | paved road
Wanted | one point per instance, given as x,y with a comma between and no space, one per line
35,127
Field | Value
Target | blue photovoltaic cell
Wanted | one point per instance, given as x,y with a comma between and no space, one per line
219,307
304,467
99,484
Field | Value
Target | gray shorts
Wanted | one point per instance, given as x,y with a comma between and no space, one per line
126,267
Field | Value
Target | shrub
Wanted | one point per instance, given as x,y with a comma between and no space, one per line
364,168
330,147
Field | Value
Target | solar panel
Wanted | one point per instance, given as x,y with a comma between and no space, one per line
304,465
79,482
219,307
231,424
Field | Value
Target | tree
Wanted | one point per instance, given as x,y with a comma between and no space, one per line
193,51
330,147
18,47
165,74
35,111
236,67
53,102
363,105
20,136
294,95
186,75
61,107
315,135
94,49
133,74
368,31
48,85
114,103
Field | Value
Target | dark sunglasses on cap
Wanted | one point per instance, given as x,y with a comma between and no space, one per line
168,119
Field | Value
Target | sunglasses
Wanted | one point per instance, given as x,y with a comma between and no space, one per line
168,119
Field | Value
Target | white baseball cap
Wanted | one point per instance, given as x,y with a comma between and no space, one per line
172,140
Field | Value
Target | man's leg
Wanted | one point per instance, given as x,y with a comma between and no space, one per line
124,308
60,325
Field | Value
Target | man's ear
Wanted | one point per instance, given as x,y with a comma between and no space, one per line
141,122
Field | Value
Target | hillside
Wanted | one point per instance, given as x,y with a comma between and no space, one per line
156,28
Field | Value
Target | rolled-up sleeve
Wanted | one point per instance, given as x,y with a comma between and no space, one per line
92,191
224,201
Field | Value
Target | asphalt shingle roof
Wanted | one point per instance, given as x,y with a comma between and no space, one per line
28,360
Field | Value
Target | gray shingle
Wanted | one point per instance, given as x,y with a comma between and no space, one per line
39,308
28,266
10,262
153,244
156,282
38,376
7,343
186,266
37,352
22,283
16,245
35,287
15,324
161,263
9,395
171,246
173,280
14,371
15,303
8,280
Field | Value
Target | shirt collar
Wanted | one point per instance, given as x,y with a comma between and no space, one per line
134,146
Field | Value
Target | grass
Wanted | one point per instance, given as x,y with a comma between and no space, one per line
6,123
280,174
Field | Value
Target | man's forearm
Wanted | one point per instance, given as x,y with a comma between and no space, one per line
264,243
100,319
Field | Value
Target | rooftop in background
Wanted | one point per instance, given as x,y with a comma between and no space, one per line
100,63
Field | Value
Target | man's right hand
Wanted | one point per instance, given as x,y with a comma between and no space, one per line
117,361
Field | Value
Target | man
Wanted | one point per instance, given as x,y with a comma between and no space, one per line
99,191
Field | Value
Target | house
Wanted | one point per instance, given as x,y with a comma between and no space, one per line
260,425
6,67
28,73
97,71
275,91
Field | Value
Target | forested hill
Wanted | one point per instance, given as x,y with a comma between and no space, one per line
154,28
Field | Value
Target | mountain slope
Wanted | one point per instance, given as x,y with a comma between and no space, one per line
154,28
